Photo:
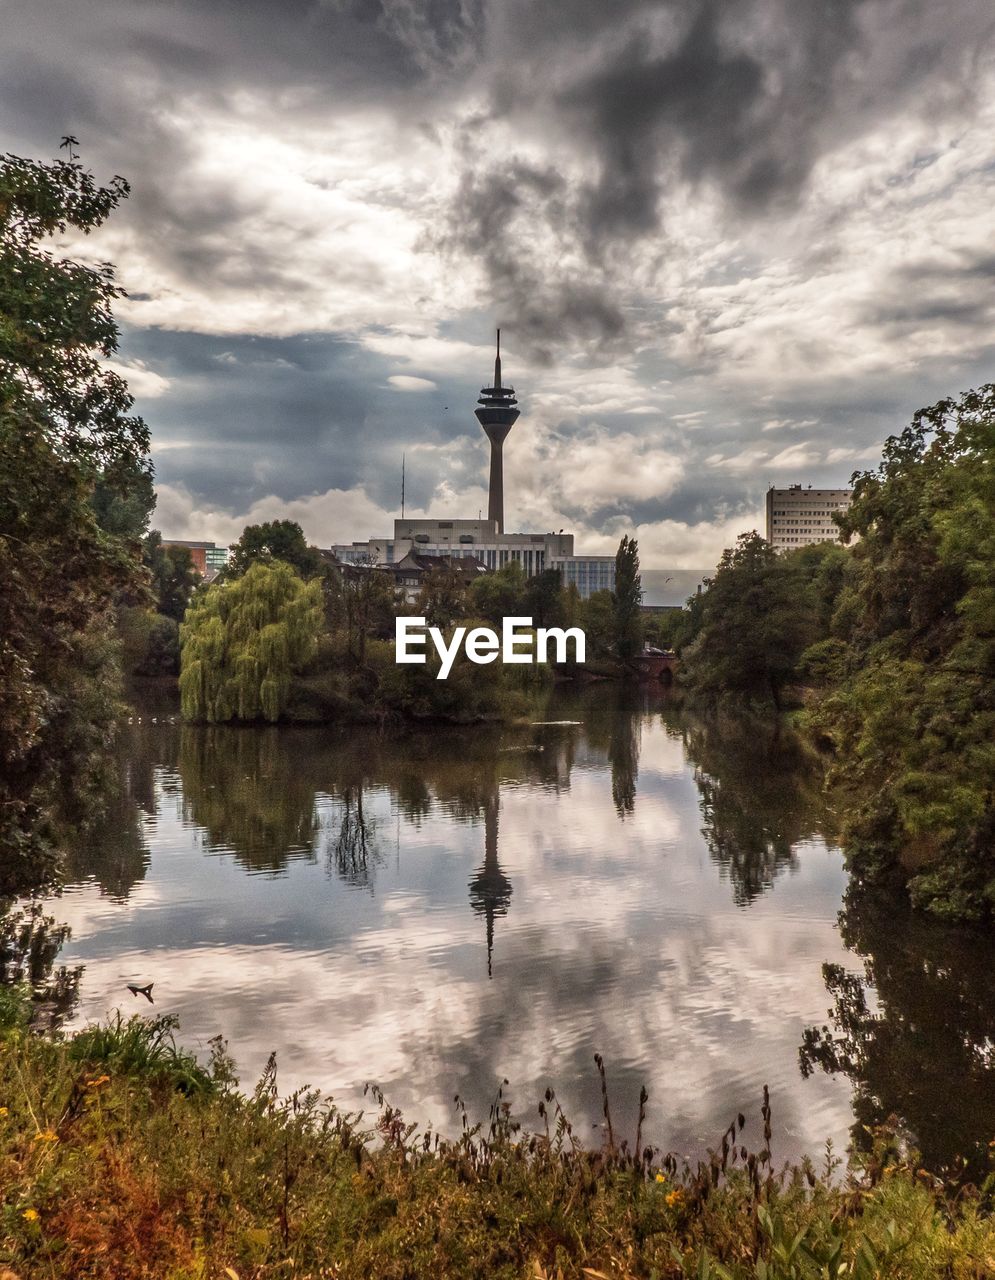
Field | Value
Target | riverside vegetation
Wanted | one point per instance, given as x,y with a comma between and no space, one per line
886,650
286,635
122,1157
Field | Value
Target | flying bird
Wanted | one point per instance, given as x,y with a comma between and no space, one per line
142,991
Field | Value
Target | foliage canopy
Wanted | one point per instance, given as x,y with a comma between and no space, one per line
243,640
275,540
69,451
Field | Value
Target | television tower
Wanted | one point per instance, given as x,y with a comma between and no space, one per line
497,415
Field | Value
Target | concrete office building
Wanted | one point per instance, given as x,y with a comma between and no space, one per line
479,540
482,540
798,517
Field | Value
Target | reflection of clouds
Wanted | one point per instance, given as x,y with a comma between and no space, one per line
621,938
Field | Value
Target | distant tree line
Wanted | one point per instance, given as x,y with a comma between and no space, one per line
287,633
888,644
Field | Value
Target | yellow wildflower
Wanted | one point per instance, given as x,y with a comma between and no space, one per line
46,1135
661,1177
674,1197
4,1112
30,1215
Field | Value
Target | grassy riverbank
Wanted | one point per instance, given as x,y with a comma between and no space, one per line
121,1157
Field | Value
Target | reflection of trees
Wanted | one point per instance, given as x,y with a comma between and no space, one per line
760,796
923,1046
30,942
612,718
112,849
623,755
353,853
253,790
490,888
413,797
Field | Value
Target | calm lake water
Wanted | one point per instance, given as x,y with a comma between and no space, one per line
438,911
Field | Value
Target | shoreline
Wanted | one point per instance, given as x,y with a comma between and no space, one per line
121,1158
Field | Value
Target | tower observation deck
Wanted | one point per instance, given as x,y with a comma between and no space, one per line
497,414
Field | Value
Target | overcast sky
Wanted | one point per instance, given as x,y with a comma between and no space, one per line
729,243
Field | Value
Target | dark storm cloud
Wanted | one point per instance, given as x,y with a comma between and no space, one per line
954,292
741,95
491,217
625,175
247,416
640,98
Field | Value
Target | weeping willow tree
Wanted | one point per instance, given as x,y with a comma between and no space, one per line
243,640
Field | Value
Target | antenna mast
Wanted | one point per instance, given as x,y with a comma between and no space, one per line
402,486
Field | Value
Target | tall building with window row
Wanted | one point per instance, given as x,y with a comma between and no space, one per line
798,517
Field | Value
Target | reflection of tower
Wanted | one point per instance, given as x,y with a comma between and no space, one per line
490,888
497,415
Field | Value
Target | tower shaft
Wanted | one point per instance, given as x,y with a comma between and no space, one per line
497,414
495,486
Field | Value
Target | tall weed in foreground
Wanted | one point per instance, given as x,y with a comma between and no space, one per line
113,1168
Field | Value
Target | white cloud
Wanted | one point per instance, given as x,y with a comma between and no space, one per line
143,382
338,515
405,382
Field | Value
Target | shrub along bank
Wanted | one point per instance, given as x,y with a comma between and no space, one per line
120,1157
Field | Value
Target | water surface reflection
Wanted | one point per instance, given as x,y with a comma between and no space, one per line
440,910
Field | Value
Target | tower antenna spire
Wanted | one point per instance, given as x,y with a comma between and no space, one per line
497,364
402,486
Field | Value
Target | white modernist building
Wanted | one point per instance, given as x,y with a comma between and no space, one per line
481,540
798,517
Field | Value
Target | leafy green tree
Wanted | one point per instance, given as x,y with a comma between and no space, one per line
626,600
545,601
150,642
174,578
686,627
123,499
756,619
67,443
369,600
597,620
242,641
442,597
56,323
276,540
500,594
